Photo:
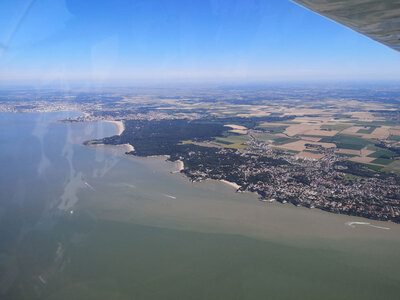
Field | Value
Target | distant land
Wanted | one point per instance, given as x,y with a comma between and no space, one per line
335,149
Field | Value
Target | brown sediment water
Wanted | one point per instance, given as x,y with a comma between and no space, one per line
130,227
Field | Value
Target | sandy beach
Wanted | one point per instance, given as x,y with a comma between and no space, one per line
120,126
180,165
129,147
236,186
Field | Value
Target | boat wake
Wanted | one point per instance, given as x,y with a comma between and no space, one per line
169,196
89,186
354,224
130,185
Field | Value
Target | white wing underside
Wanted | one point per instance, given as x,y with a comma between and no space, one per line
377,19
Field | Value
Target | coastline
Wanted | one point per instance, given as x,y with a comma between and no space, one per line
180,165
126,147
235,185
134,203
129,147
120,126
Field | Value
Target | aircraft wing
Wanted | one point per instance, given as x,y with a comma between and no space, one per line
377,19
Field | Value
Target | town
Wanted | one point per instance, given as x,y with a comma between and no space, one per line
327,183
340,154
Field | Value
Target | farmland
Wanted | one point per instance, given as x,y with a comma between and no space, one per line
331,149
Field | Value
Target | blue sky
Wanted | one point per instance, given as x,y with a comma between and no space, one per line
183,40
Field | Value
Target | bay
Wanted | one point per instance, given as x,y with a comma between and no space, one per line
92,223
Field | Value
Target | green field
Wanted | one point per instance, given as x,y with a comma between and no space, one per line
265,136
382,161
283,140
313,151
393,167
276,140
373,123
224,142
394,138
381,153
274,129
234,141
338,127
367,130
347,141
291,151
374,168
342,116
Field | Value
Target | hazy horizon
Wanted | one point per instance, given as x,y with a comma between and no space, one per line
175,84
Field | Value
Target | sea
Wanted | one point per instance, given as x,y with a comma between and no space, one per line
90,222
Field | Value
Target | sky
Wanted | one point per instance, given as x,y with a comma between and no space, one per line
135,41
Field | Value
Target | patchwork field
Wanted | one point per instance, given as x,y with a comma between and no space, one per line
310,155
362,159
379,133
300,129
348,151
237,129
354,135
361,131
322,132
233,141
302,145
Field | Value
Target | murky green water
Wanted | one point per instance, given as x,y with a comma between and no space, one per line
90,223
